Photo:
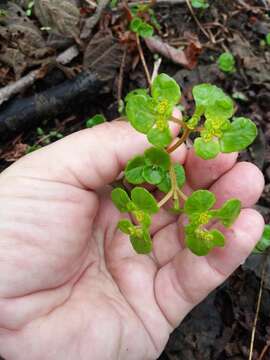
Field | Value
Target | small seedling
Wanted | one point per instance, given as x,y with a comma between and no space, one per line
226,62
3,13
264,243
150,113
141,27
29,9
142,14
44,139
199,4
95,120
267,39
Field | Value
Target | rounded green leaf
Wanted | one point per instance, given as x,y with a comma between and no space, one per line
134,170
264,243
143,244
196,244
158,157
139,113
221,108
267,39
135,24
180,175
238,136
206,150
226,62
144,200
199,201
165,185
120,199
213,100
95,120
201,241
145,30
125,226
202,94
229,212
153,174
218,239
165,87
143,92
160,138
199,4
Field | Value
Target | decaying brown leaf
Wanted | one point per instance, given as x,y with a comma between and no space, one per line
62,17
16,152
22,43
18,28
91,22
192,51
256,68
187,58
103,55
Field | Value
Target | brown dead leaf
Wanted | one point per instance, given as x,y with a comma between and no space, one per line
256,68
92,21
19,149
192,51
186,58
157,45
22,43
4,75
103,55
19,29
15,59
61,16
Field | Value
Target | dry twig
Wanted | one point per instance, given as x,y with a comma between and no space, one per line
121,76
157,64
257,308
12,89
148,77
264,351
197,20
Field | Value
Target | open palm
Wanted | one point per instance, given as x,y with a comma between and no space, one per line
71,286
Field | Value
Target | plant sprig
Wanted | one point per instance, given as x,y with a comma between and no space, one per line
150,112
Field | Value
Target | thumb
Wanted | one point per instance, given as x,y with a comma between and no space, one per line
88,159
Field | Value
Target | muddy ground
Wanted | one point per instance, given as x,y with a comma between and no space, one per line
96,46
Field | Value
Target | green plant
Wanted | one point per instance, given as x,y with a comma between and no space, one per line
150,113
267,39
264,243
3,13
226,62
44,139
200,4
29,9
142,14
141,27
95,120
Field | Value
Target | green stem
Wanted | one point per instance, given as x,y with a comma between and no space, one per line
176,191
181,194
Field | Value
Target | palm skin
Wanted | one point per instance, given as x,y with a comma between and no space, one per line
71,287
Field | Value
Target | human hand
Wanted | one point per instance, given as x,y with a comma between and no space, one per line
71,286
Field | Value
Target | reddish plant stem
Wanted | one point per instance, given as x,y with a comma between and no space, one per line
179,141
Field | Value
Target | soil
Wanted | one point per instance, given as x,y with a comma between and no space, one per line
220,327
